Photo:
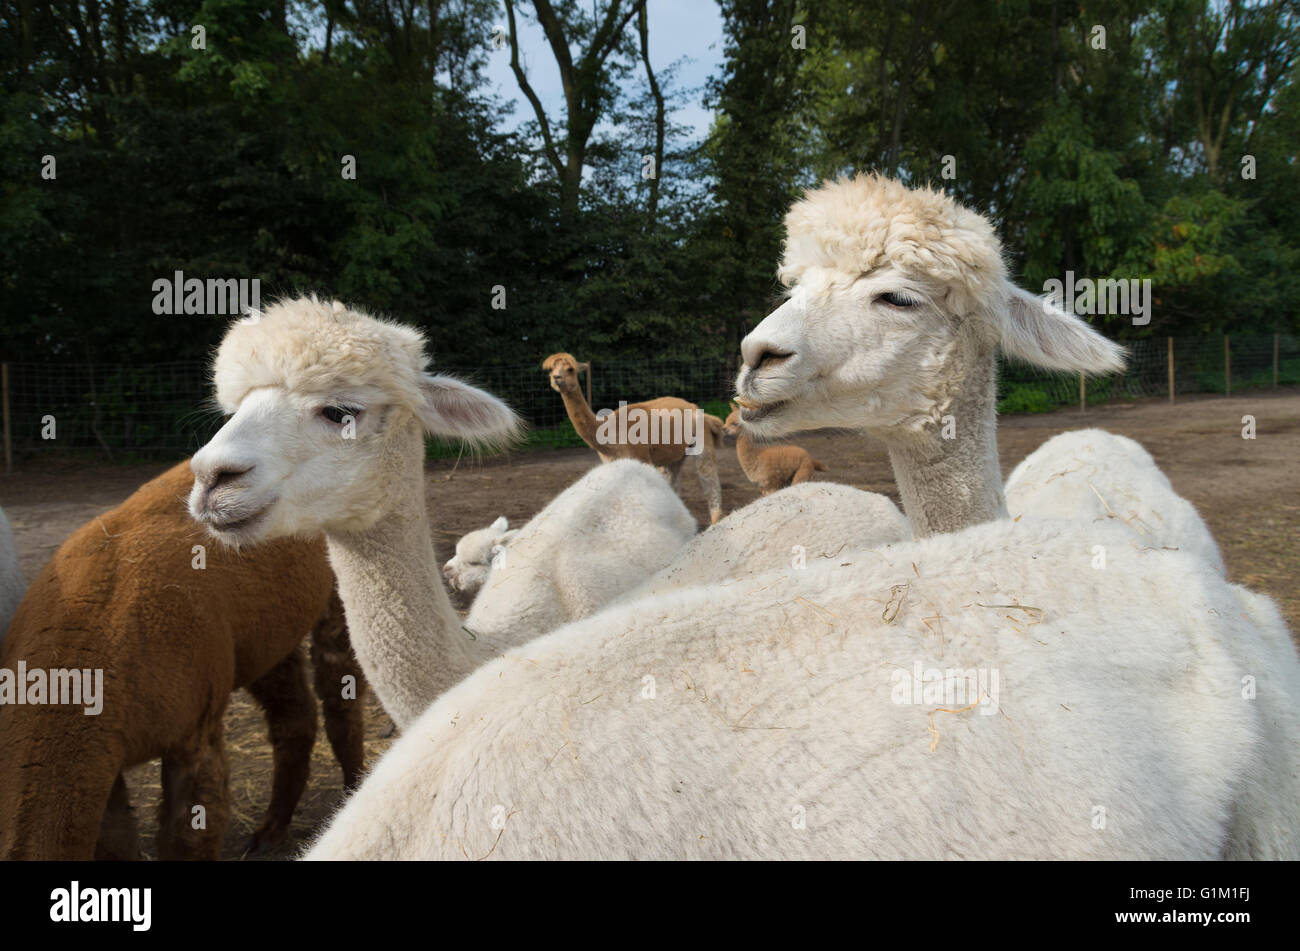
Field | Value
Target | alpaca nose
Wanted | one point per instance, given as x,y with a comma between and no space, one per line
214,478
760,353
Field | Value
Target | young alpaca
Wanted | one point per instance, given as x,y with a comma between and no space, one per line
11,576
1089,474
173,636
771,468
593,542
694,724
476,551
661,432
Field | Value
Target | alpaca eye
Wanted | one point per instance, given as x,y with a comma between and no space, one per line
336,414
897,300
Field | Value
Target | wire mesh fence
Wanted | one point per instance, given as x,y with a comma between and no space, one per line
118,409
1208,364
528,390
164,410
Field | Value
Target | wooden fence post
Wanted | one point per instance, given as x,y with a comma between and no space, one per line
1227,367
1171,368
1083,394
4,400
1276,339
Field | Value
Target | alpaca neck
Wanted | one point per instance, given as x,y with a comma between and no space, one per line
949,484
404,631
580,414
747,455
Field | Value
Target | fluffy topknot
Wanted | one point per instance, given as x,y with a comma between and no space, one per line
310,345
855,225
561,358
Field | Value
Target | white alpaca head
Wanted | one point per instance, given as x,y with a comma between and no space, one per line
468,569
893,293
328,406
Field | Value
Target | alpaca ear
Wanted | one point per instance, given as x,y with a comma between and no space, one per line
500,525
1035,330
508,537
451,408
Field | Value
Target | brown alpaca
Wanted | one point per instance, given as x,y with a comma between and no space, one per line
125,594
771,468
663,416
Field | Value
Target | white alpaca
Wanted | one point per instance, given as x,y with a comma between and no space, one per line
12,584
468,568
1085,475
600,537
1264,820
788,530
1090,474
786,718
781,718
408,674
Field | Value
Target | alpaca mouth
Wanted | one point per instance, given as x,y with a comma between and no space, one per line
238,525
752,411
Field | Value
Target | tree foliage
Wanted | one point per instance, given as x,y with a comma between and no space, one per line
1122,139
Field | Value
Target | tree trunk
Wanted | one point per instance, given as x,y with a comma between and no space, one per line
643,29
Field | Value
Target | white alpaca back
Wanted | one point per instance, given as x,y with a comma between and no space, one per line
1265,817
600,537
12,585
798,525
780,718
1092,475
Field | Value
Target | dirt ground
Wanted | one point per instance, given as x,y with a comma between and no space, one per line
1245,489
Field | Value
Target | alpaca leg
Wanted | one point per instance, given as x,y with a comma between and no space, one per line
333,662
195,805
805,471
673,473
119,837
290,711
706,470
60,769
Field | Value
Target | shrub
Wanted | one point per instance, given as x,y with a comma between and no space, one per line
1024,398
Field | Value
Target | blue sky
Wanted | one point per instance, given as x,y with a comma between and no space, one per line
686,30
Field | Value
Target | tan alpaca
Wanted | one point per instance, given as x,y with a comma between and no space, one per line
125,594
663,416
773,467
